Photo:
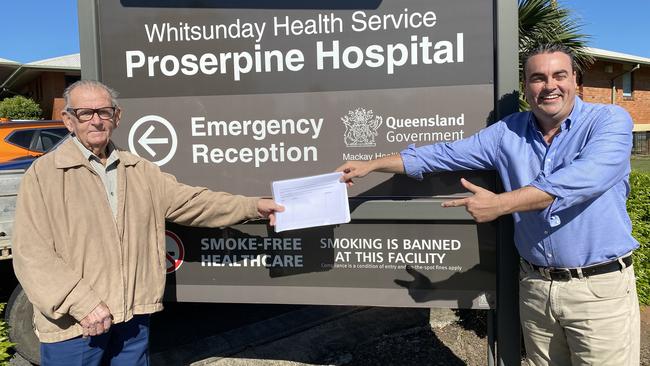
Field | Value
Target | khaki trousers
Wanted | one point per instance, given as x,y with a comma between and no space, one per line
588,321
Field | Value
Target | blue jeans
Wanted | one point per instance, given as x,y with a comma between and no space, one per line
125,344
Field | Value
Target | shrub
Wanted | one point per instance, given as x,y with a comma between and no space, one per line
5,345
638,206
19,107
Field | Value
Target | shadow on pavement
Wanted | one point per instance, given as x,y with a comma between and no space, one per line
320,335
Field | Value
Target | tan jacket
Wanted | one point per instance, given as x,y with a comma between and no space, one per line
70,253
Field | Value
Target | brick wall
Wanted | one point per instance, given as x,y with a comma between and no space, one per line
596,88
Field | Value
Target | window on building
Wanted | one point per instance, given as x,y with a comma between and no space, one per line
641,142
627,84
71,79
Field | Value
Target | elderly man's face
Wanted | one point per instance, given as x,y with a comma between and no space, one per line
96,132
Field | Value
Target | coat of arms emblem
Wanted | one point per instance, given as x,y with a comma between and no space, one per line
361,128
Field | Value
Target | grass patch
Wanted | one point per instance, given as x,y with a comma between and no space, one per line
641,163
638,206
5,345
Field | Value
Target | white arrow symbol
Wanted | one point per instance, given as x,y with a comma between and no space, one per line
144,140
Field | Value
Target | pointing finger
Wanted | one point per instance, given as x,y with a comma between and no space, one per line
455,203
470,186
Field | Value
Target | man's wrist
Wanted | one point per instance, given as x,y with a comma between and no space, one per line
504,203
373,165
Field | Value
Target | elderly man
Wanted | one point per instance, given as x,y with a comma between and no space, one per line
89,245
565,168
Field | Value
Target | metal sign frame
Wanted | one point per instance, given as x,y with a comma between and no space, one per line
504,321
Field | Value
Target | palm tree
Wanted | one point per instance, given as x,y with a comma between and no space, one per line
544,21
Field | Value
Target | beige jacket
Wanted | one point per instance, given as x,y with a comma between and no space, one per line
70,253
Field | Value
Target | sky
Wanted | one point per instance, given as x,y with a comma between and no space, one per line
34,30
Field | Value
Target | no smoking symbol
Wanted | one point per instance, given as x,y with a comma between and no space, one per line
174,253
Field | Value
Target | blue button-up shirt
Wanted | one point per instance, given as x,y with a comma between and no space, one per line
586,168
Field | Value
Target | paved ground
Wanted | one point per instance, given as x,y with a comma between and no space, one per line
352,336
449,338
439,337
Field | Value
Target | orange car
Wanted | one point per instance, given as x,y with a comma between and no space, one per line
29,138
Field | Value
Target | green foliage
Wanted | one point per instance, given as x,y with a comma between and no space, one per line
19,107
544,21
638,206
5,345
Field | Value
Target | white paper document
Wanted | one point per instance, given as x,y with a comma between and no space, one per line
311,201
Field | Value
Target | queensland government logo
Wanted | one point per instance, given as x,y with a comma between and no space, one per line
361,128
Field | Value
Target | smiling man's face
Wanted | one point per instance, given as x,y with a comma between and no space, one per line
550,87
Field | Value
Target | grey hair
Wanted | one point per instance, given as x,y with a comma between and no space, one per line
550,48
94,84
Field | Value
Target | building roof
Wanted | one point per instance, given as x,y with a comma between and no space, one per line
5,61
68,62
7,68
15,74
617,56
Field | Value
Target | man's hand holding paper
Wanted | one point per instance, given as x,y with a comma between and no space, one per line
311,201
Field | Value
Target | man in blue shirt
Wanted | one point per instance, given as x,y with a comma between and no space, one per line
565,168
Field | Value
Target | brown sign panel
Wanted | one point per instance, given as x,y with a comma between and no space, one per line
410,263
233,95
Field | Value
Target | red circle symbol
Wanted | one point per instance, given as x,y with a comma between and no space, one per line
174,251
